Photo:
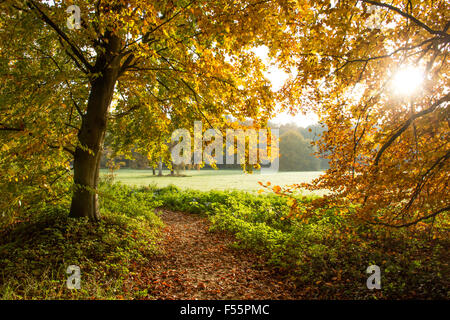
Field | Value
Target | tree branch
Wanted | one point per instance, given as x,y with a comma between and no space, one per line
75,49
125,113
67,149
408,122
408,16
5,128
423,179
413,222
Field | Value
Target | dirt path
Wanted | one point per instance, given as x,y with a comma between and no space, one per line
198,264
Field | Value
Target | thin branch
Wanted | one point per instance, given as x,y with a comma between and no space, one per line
145,38
125,113
434,214
5,128
67,149
33,6
197,102
408,122
77,107
408,16
404,48
423,179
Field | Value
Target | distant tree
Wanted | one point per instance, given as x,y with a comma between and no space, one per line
296,153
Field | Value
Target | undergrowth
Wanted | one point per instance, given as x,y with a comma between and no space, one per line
326,257
35,253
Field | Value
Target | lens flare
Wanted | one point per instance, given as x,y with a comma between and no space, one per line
407,81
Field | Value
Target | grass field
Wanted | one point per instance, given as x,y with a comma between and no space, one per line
205,180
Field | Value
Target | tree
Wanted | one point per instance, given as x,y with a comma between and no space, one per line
130,62
296,153
388,144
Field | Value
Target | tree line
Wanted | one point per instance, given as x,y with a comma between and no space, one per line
296,151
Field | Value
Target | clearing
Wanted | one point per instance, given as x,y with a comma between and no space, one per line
206,180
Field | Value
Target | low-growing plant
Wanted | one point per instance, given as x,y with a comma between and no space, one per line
328,254
35,254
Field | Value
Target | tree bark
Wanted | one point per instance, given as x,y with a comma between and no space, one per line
92,133
160,166
172,170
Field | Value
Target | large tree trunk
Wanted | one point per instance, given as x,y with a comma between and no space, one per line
92,133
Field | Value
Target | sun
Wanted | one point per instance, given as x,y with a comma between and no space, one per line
408,80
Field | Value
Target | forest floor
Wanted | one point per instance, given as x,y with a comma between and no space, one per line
198,264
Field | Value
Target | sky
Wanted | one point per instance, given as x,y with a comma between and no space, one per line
278,77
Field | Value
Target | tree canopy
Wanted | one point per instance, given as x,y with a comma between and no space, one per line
144,68
388,145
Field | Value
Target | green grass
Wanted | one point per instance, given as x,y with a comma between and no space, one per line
206,180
